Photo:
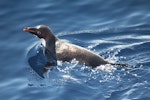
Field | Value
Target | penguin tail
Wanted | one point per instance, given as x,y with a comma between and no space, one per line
120,64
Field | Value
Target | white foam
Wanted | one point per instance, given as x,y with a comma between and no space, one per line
68,77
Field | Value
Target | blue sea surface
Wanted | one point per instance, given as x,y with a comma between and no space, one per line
118,30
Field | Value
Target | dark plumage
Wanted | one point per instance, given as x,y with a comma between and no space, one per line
56,49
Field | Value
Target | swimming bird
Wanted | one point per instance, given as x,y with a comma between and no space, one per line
57,49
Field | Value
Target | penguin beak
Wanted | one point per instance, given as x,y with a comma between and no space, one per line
33,30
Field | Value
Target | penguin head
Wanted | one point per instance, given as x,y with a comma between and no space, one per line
41,31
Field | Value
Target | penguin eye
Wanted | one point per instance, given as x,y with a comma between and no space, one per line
38,32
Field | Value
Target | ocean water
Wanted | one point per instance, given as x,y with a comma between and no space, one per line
118,30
